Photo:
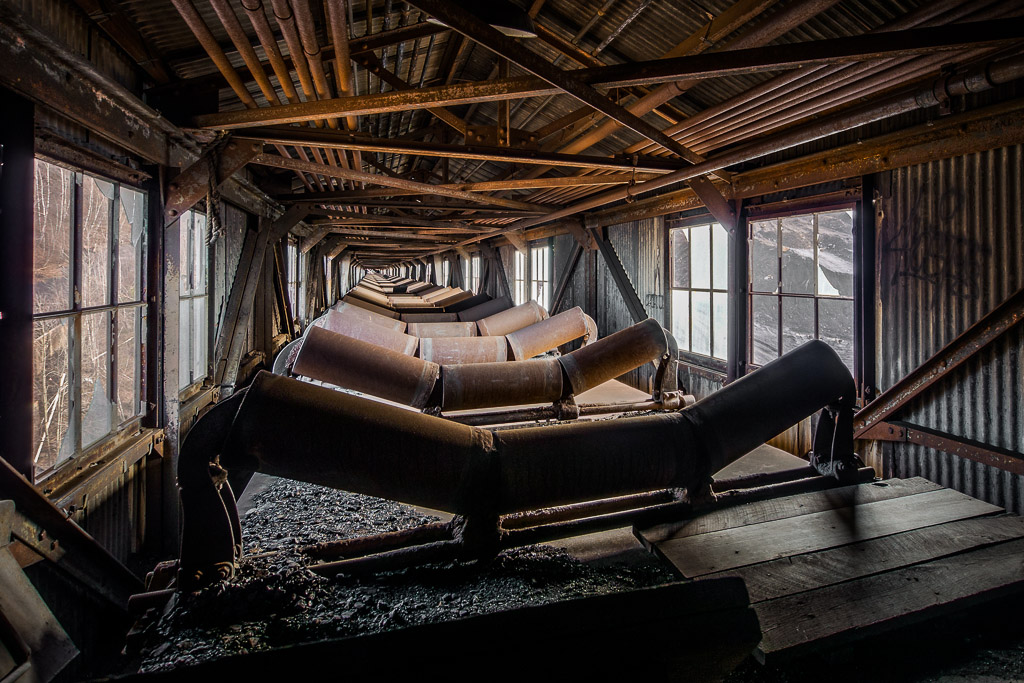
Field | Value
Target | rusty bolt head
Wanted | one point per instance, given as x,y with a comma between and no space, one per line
173,187
172,213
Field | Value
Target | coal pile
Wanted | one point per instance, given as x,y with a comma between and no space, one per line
275,600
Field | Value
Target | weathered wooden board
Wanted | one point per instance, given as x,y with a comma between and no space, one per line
746,545
782,508
793,624
791,575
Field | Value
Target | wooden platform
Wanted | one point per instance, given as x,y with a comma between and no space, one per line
829,567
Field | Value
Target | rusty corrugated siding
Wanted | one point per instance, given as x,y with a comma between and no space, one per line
950,249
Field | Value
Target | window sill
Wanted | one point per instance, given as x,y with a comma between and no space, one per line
712,368
71,486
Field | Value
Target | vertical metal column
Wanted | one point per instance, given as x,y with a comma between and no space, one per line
17,141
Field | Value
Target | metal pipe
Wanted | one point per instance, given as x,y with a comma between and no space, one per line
311,50
977,79
338,20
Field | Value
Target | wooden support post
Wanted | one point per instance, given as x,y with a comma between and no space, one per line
611,259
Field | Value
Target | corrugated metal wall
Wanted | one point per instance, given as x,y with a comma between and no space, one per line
951,248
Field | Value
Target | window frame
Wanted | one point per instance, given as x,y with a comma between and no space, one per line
76,313
186,261
853,207
521,278
540,253
717,362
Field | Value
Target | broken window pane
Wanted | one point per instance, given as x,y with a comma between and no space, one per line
720,256
679,247
764,256
798,254
184,340
96,407
701,323
765,329
700,257
199,339
797,322
128,363
835,327
681,317
721,324
835,253
51,249
97,209
130,229
51,390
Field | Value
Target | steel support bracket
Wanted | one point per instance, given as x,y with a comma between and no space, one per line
582,235
192,184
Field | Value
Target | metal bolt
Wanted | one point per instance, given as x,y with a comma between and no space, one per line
172,213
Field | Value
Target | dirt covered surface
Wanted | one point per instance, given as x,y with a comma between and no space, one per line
275,600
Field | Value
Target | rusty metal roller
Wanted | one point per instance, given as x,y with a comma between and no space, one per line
483,309
356,301
441,294
500,324
458,350
485,385
430,317
616,354
362,314
551,333
453,299
368,332
442,329
361,366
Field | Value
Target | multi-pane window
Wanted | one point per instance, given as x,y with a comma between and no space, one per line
193,306
291,266
801,284
540,274
474,273
700,280
520,293
88,311
446,271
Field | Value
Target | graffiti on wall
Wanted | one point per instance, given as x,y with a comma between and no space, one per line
926,240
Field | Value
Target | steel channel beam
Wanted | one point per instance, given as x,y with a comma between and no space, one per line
972,340
289,135
903,432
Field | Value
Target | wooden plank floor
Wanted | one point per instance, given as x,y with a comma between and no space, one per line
827,567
